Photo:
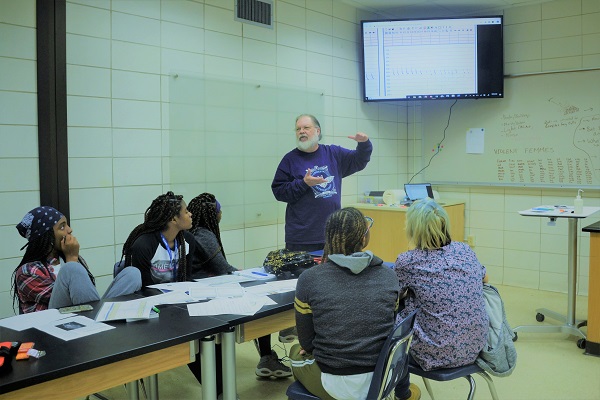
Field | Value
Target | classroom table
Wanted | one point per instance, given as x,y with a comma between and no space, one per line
241,328
569,324
87,365
592,345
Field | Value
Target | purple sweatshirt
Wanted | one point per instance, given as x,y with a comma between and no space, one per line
308,207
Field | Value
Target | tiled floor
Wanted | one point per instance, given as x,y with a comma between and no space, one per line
549,366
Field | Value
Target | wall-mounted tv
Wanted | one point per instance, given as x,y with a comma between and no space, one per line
436,58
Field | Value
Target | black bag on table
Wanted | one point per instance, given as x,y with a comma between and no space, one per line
288,264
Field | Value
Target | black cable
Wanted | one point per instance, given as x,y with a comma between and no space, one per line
439,144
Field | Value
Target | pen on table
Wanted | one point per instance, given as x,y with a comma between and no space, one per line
156,310
259,273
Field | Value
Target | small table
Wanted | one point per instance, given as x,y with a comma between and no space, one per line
592,343
569,324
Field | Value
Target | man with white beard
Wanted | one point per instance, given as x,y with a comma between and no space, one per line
309,180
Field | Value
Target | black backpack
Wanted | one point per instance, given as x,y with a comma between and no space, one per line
288,264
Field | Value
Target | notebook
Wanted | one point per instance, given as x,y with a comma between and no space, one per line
418,191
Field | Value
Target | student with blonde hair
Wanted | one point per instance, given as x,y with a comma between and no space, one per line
444,280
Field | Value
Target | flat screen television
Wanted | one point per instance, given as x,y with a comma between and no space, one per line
436,58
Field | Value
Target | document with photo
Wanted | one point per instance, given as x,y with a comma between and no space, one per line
74,327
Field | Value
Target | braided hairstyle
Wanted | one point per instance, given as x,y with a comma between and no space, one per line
40,250
345,230
204,215
156,218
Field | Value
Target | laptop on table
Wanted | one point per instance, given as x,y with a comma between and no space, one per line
417,191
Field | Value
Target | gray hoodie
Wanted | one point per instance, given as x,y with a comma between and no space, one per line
345,308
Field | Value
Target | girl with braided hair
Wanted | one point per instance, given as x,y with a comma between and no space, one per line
206,215
161,247
52,248
345,309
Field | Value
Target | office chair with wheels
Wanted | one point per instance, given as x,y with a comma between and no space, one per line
391,364
448,374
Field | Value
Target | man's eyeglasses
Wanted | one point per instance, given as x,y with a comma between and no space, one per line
369,224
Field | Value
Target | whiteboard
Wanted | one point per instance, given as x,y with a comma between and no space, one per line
544,132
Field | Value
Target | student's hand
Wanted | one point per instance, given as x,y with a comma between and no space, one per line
70,248
313,180
302,352
359,137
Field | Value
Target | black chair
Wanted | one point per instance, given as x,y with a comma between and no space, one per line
448,374
391,364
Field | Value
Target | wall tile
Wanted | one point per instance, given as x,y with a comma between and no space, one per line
135,86
16,204
18,108
183,12
221,20
180,37
135,57
521,278
560,8
137,171
88,81
85,50
18,75
90,172
18,141
88,21
319,22
94,232
146,8
561,47
91,203
19,13
136,114
88,111
22,177
290,14
22,43
90,142
134,199
260,237
291,36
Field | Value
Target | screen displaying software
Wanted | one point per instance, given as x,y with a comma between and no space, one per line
411,58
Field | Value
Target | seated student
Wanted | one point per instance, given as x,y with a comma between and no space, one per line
345,310
206,215
164,251
160,246
52,274
444,280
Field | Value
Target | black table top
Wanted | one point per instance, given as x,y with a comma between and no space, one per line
595,227
129,339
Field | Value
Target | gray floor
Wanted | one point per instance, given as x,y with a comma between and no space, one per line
550,366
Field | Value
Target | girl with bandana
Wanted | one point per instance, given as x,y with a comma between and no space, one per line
52,274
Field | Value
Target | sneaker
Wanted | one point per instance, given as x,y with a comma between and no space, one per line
288,335
271,366
415,393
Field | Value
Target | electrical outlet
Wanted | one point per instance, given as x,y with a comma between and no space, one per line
471,240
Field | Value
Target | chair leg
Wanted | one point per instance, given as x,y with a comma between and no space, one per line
472,387
428,387
490,383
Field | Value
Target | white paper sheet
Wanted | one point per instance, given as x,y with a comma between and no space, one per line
273,287
129,310
475,140
74,327
222,280
33,320
247,305
214,292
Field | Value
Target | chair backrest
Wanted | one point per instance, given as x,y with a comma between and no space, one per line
393,359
